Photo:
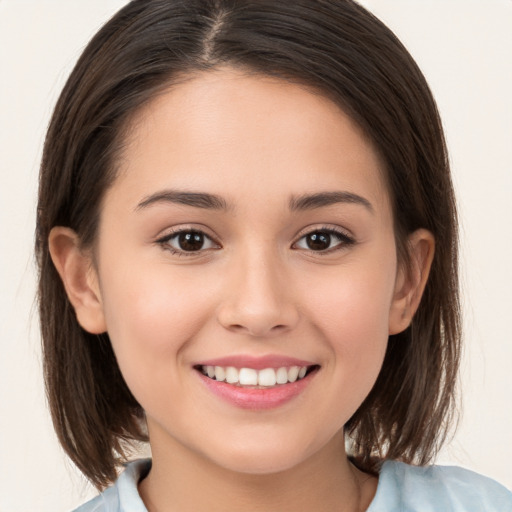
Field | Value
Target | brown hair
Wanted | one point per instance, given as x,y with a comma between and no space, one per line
339,49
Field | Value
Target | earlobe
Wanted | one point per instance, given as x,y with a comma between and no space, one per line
411,280
79,278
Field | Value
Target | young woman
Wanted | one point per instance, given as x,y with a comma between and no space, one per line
248,255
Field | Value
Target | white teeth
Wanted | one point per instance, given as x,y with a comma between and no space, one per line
267,377
282,376
248,377
231,375
220,374
293,373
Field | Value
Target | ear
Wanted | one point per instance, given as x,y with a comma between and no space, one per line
79,277
411,280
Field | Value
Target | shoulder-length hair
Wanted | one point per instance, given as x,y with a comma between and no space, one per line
337,48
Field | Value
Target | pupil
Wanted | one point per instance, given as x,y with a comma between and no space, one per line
191,241
319,241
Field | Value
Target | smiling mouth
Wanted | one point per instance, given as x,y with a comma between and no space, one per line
256,379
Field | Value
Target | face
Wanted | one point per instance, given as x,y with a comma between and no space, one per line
248,237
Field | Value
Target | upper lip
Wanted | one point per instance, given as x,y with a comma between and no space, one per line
255,362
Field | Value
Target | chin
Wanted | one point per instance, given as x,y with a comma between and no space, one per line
263,458
250,465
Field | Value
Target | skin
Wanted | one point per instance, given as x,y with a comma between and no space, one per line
254,289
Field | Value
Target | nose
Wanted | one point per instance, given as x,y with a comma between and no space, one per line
258,301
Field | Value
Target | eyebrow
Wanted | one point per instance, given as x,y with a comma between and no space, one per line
321,199
195,199
215,202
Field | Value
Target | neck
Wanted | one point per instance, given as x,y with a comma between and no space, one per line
181,481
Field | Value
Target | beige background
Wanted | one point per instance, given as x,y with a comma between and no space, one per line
465,49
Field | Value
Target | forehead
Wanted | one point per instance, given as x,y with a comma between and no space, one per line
251,130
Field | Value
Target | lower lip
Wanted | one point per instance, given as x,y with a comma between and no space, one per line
251,398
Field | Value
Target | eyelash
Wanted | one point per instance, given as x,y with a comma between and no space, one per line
344,240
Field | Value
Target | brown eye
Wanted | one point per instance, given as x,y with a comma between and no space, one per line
187,241
318,241
324,240
191,241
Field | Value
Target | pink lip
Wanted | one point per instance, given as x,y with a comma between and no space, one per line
257,363
253,398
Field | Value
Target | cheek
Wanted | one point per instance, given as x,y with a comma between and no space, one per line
350,311
352,305
151,315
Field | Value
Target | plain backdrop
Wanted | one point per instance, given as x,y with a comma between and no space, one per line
465,50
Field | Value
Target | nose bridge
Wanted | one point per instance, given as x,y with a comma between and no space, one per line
258,301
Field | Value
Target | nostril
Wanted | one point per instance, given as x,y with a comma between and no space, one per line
256,329
279,327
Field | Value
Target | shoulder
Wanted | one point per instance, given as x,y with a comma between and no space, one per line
433,488
123,496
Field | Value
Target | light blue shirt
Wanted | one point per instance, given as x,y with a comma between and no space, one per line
401,488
